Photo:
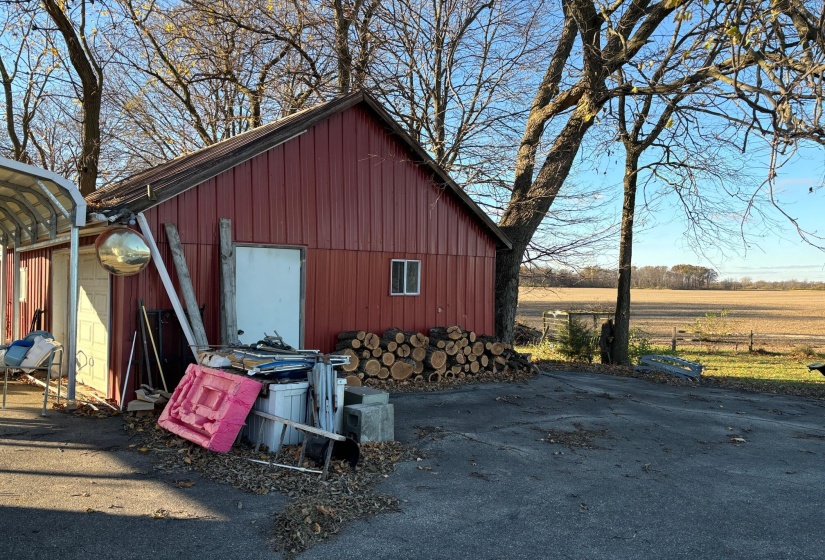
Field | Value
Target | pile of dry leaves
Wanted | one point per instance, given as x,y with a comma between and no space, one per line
95,407
410,386
317,509
578,437
87,410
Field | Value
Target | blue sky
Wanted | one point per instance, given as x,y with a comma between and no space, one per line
775,253
771,250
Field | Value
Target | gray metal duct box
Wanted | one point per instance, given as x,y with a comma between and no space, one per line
365,395
369,422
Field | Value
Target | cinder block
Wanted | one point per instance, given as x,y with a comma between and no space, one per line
369,422
365,395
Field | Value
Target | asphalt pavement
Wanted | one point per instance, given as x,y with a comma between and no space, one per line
566,465
73,488
664,472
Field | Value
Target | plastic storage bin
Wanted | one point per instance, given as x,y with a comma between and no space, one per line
288,400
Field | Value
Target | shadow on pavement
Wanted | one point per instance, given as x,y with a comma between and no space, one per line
75,487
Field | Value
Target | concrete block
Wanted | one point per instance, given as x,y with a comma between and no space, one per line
365,395
369,422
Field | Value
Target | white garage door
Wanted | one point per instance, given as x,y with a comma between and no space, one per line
268,289
93,324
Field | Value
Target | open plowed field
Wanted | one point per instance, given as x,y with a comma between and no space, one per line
657,311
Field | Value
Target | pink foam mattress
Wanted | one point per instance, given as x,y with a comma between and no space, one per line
209,407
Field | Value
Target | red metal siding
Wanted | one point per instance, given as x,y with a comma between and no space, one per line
308,200
38,294
202,260
375,310
39,284
362,193
348,191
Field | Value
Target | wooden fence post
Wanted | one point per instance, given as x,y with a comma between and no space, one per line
750,342
673,341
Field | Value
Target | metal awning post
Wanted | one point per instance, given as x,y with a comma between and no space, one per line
15,304
74,250
4,266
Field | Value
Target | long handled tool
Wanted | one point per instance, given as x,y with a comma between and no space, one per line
147,366
128,370
154,347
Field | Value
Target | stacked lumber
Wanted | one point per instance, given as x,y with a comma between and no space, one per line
445,353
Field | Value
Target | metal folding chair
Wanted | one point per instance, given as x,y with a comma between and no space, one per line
47,364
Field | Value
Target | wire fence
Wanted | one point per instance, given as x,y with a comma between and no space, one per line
739,341
554,322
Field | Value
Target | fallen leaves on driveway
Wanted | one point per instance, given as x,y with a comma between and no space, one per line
409,386
578,437
317,509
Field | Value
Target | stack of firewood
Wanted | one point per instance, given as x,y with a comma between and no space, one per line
447,353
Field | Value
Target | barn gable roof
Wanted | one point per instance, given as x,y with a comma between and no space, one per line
158,184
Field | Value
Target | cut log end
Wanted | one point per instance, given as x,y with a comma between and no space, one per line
496,348
435,358
372,341
354,360
418,354
347,335
402,369
371,367
353,381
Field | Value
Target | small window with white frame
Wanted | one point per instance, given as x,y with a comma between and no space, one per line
405,278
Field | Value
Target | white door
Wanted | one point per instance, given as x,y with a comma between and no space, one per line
92,316
268,290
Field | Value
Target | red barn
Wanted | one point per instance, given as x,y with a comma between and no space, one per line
340,221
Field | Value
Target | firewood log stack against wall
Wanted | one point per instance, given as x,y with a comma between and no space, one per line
445,353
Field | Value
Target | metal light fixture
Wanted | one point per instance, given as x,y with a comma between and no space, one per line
122,251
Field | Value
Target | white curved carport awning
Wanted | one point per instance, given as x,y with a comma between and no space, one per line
36,207
36,204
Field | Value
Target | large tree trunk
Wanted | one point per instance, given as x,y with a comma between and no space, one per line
18,145
91,79
90,153
508,264
621,332
529,204
343,21
531,198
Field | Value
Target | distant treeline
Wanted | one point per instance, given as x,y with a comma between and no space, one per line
678,277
